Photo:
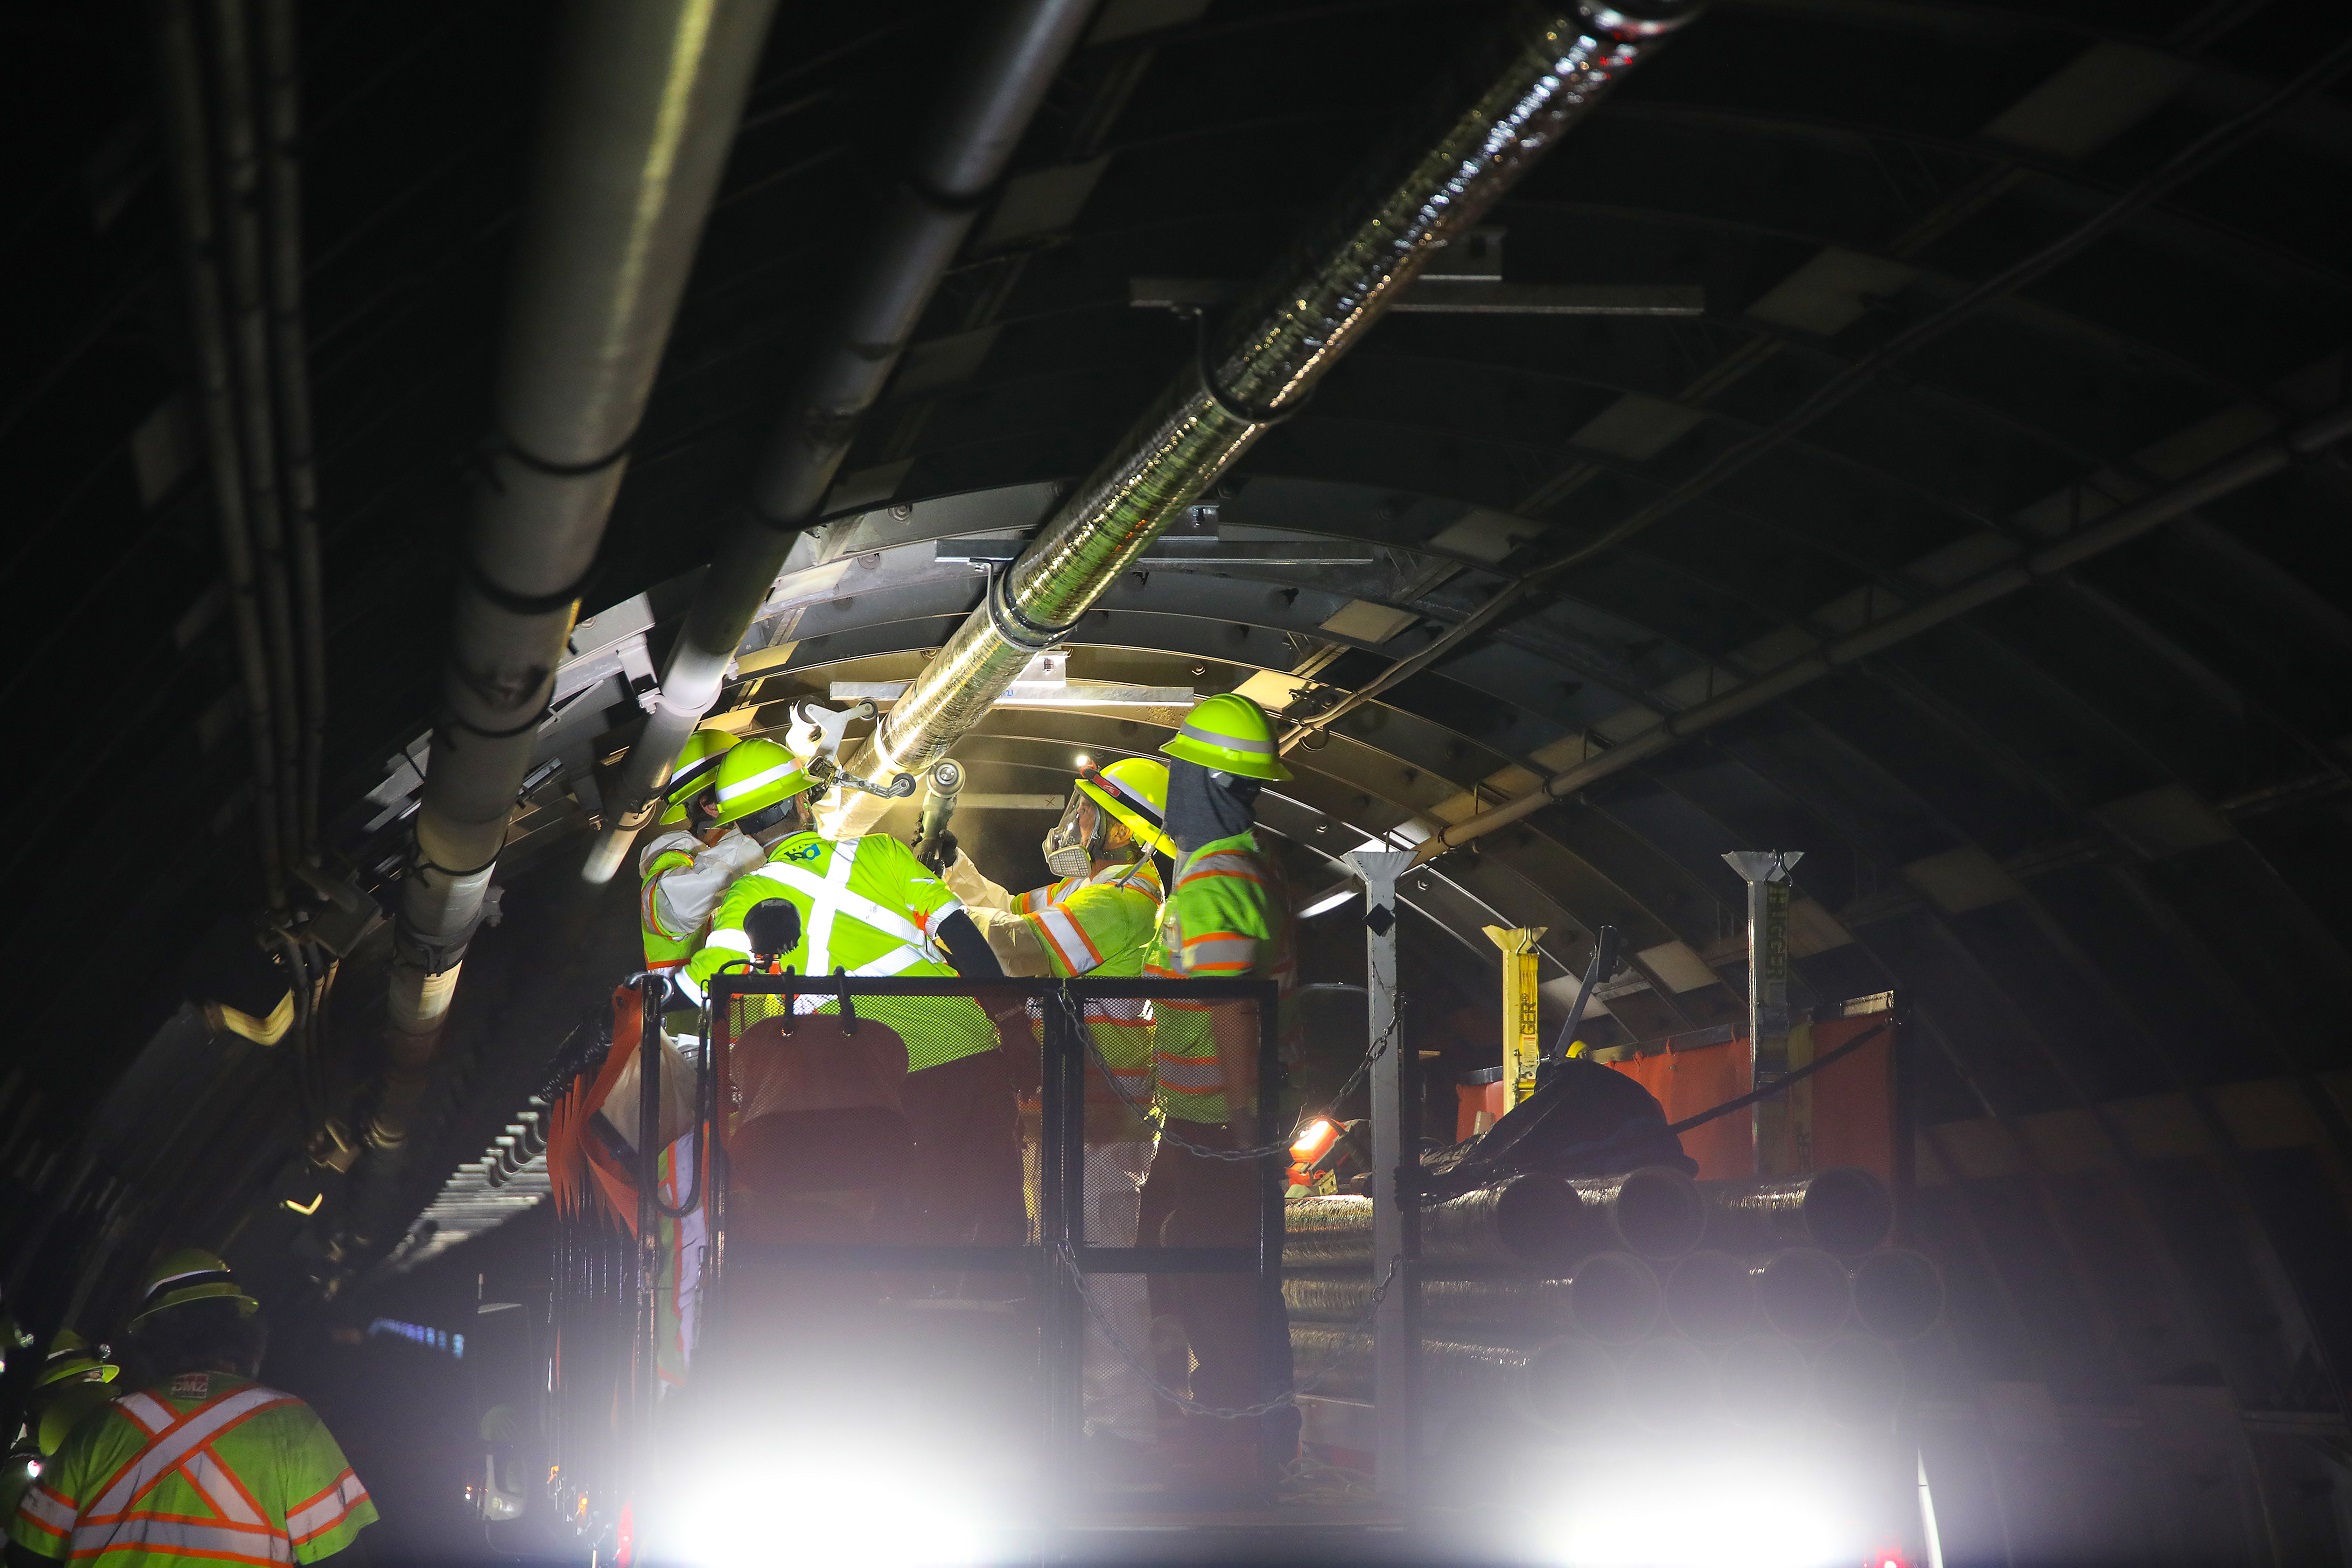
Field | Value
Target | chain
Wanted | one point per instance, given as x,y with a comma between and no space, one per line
1147,1112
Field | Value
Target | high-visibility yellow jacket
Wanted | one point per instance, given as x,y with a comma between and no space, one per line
203,1468
1099,924
868,907
1228,917
683,880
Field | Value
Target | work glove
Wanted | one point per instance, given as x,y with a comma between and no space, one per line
941,854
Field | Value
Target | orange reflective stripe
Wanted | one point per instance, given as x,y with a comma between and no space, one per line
167,1449
1067,938
184,1538
151,1413
1190,1074
327,1510
221,1488
48,1510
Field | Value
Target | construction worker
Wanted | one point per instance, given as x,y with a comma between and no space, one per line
687,870
202,1465
867,907
70,1383
1227,916
1108,852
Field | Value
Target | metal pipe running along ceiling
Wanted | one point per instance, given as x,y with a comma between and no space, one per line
1019,49
2232,473
1534,79
641,114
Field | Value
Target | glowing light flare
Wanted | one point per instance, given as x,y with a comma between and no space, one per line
822,1510
1705,1517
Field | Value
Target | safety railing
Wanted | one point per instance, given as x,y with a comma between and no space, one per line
1060,1259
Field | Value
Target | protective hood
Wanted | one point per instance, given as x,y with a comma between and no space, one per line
1204,806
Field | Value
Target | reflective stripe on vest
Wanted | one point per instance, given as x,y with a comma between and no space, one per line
166,1451
182,1446
830,897
212,1542
329,1509
48,1510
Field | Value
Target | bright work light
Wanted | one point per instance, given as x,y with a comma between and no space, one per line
1704,1516
803,1508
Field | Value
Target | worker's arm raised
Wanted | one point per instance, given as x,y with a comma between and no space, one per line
967,882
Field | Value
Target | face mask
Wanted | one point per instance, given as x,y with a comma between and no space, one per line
1076,841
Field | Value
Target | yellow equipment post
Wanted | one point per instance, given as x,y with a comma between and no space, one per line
1522,1024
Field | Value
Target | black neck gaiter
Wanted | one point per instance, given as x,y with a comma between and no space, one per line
1201,809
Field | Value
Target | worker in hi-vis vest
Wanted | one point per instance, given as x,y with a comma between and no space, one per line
868,908
202,1465
1227,916
70,1383
1109,854
685,871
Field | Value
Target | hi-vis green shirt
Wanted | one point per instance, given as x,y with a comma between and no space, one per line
1228,917
869,907
202,1468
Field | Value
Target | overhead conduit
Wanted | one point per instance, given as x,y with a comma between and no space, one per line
1020,48
643,105
1544,71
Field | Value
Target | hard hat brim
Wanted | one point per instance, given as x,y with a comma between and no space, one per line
1222,760
1151,835
217,1290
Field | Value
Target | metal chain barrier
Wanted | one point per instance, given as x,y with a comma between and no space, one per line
1148,1112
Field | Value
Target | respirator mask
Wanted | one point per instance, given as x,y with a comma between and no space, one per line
1078,840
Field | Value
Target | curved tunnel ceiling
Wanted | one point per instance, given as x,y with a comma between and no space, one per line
2094,831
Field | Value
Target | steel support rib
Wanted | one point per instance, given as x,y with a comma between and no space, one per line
642,112
2201,154
2233,473
1544,72
971,139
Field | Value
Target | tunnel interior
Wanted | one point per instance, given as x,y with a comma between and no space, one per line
1902,433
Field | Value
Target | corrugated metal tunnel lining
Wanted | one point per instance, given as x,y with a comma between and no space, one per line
2089,834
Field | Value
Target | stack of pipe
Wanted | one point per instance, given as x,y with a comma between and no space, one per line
1645,1297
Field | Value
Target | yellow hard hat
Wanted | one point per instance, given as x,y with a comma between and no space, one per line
696,763
755,776
190,1274
1134,790
70,1356
1230,734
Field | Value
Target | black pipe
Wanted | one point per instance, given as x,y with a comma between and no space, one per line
186,139
969,142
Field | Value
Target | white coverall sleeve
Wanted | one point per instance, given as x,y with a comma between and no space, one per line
966,882
683,899
1012,939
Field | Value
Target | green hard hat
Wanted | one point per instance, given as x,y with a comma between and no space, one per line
1230,734
756,775
696,763
190,1274
70,1356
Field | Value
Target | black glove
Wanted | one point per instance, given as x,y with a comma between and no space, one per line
941,854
